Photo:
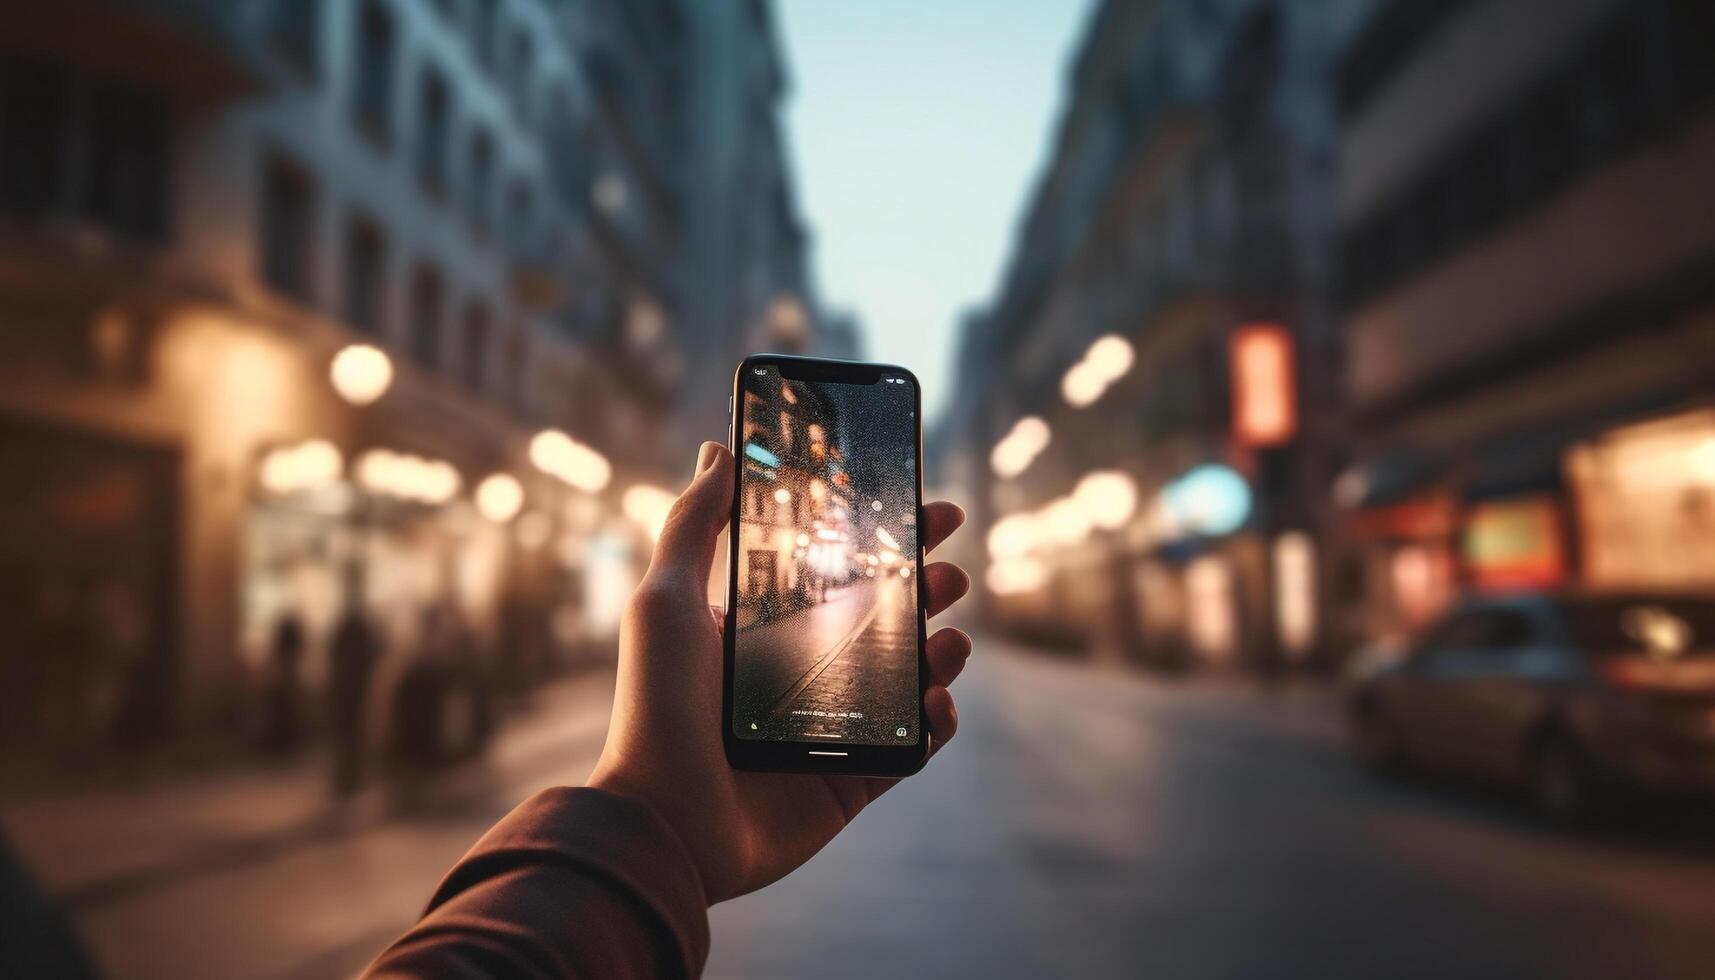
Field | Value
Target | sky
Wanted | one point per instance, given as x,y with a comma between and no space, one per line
918,128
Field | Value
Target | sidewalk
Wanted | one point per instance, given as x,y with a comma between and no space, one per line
90,846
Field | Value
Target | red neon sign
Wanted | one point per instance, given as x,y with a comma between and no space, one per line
1265,397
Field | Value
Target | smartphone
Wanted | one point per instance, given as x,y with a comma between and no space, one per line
825,630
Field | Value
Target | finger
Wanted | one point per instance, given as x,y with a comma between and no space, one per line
940,519
943,716
947,652
944,583
943,725
686,549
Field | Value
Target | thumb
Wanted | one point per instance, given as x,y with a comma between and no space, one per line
686,549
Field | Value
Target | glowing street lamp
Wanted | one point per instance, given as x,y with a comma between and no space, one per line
1106,361
361,373
1020,446
499,497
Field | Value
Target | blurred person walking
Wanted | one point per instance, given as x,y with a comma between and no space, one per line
351,667
283,707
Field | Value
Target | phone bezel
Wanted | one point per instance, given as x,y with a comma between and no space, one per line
770,756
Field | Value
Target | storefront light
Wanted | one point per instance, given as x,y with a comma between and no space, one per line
1211,500
782,496
1295,591
441,482
499,497
1108,498
308,465
361,373
648,507
408,477
1012,536
572,462
533,530
1066,521
1015,576
1211,619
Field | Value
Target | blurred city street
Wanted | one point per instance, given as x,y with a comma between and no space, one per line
1085,823
805,668
1297,365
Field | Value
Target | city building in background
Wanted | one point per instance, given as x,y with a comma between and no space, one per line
1154,394
380,306
1526,248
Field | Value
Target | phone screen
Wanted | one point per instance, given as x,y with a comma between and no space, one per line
826,640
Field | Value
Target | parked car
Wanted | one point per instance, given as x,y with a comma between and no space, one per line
1573,697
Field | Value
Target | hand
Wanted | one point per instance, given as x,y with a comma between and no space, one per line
743,829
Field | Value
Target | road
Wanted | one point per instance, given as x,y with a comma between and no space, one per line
1085,823
1091,824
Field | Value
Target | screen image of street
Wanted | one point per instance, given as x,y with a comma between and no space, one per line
825,587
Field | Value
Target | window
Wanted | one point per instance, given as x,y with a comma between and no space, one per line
432,131
35,113
518,215
127,185
296,29
521,63
378,50
478,183
517,354
1510,630
1691,71
484,30
1552,118
1483,629
426,315
288,199
1616,81
473,345
365,268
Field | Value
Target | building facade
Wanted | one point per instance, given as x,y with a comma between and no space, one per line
1157,411
1526,244
205,207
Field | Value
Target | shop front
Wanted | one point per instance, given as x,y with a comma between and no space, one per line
1401,568
1645,504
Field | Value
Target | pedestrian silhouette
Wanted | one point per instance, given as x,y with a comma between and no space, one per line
351,665
283,715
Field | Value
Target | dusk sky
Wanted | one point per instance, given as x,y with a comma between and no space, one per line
917,131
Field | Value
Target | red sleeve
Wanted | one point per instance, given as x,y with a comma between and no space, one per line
573,883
